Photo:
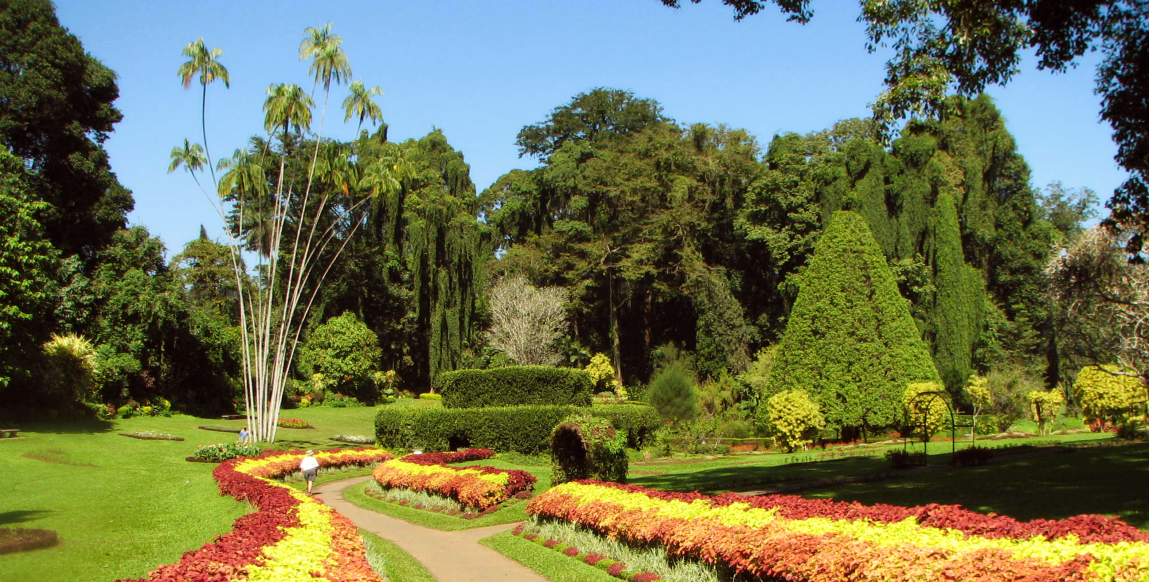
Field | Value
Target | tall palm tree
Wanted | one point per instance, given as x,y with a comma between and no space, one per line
204,63
286,106
360,103
244,183
190,156
329,62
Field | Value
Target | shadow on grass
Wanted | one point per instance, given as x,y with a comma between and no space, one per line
22,515
66,427
747,476
1105,480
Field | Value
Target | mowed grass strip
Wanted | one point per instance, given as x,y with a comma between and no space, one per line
554,566
123,507
391,562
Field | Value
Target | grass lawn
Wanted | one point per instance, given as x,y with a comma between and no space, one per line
124,506
763,470
393,562
547,562
1107,480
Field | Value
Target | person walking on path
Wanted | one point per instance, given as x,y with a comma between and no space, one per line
309,466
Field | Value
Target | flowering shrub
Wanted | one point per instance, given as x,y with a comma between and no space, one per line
293,423
290,537
479,487
791,538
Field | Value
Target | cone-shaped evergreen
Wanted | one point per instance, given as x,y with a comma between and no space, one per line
850,341
957,313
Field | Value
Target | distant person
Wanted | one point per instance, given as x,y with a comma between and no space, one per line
244,436
309,466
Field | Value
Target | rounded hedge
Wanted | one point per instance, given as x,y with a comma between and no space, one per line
514,386
588,447
523,429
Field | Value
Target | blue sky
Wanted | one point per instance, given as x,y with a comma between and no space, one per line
481,70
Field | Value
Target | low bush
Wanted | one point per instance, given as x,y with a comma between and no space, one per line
905,459
354,439
973,456
223,452
521,429
430,396
588,447
514,386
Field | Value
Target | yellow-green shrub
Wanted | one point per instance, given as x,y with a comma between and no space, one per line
1044,406
1109,394
794,418
930,409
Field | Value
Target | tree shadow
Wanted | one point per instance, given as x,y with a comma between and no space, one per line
89,426
1050,486
22,515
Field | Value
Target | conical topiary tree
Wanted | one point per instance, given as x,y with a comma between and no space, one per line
850,341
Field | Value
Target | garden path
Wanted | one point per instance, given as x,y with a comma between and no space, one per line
451,556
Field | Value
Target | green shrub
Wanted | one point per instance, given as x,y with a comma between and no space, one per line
794,418
640,421
430,396
905,459
588,447
1109,394
671,393
223,452
973,456
514,386
521,429
345,350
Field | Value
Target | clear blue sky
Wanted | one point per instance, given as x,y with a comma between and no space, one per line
481,70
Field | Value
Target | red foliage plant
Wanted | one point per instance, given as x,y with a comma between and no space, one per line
228,556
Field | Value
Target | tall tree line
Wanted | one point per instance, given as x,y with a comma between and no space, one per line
687,234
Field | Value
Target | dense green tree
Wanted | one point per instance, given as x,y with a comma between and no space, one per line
26,269
55,113
635,216
958,303
345,351
951,46
850,340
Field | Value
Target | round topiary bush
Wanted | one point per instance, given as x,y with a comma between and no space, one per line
588,447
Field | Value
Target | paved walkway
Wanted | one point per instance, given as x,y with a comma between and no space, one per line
451,556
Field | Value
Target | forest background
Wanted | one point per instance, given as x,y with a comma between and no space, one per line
663,233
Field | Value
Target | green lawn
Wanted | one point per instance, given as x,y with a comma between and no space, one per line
124,506
764,470
1106,480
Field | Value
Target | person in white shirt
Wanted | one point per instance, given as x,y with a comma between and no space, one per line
309,466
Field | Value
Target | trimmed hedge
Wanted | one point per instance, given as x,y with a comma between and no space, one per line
523,429
514,386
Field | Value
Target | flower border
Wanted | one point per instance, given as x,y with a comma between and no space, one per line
291,536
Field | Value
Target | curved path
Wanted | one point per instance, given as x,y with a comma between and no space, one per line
451,556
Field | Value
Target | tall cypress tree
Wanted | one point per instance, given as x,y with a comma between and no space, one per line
850,341
957,310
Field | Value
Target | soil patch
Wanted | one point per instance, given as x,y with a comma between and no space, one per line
14,540
54,456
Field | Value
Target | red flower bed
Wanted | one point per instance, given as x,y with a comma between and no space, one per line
229,556
1088,528
445,458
